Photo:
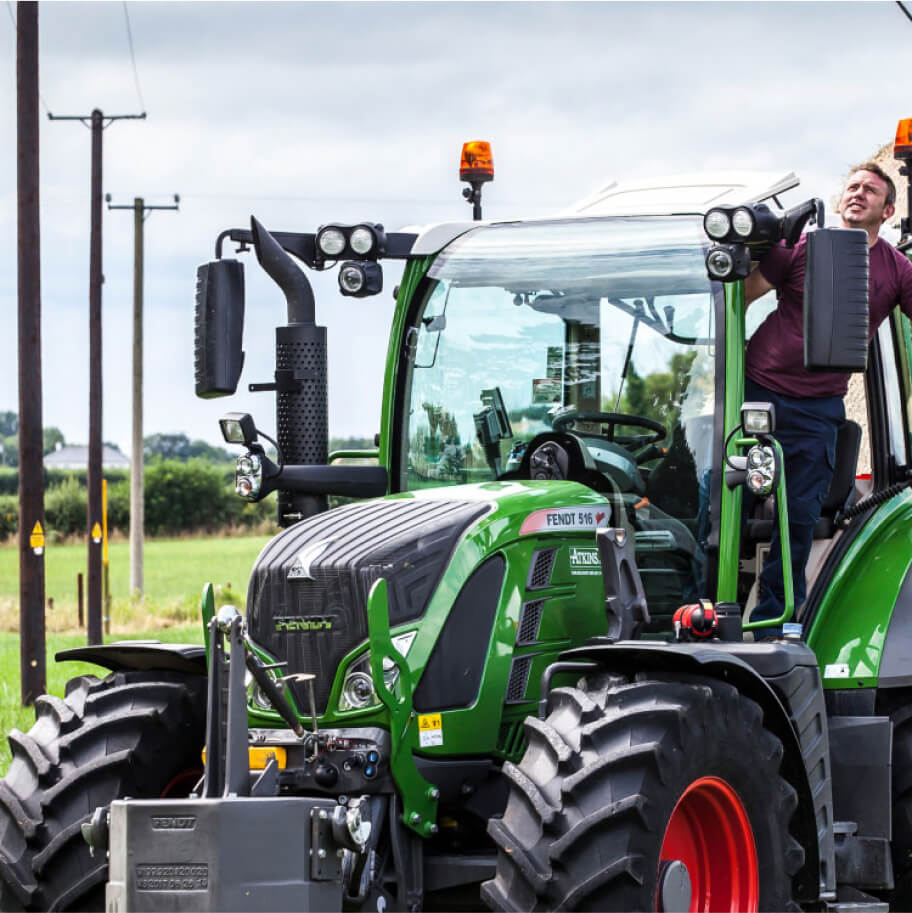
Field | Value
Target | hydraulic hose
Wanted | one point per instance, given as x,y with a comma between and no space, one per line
872,500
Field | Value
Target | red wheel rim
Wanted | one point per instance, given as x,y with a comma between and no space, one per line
180,786
710,833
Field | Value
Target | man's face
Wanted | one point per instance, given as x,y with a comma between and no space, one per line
864,201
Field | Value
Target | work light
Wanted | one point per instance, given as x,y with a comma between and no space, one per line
331,241
717,224
758,418
238,428
359,278
728,262
742,222
362,240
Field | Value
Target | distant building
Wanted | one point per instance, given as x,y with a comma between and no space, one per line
75,457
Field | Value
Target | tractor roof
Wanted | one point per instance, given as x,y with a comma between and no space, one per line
677,194
682,193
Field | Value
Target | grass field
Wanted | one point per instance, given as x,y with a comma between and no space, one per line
175,572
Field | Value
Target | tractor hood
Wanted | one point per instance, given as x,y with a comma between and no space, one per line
307,597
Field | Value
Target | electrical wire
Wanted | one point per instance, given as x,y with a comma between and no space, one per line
142,103
9,7
905,11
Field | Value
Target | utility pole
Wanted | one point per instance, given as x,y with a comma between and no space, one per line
31,444
97,121
137,507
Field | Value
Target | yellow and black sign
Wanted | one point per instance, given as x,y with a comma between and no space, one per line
36,540
96,533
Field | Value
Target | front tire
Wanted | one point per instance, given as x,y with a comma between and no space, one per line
635,788
136,734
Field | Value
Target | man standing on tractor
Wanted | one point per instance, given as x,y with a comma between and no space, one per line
809,405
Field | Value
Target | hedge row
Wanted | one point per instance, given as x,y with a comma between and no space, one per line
179,497
9,478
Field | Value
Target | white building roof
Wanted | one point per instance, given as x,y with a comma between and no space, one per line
77,457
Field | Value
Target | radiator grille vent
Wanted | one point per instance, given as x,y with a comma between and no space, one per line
542,564
529,620
519,679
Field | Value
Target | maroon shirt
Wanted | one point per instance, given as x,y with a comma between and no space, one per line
775,353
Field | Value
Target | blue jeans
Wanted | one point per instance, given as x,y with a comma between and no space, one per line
806,430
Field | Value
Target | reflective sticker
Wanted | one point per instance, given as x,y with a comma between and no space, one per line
558,519
585,562
430,730
836,670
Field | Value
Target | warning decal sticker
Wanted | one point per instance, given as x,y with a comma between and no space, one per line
430,730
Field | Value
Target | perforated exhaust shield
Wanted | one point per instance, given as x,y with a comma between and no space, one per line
301,414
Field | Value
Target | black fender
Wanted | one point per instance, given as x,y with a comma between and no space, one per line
140,655
784,679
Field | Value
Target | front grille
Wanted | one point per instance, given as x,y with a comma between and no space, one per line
307,599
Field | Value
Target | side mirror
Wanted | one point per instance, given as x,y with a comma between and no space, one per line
836,300
219,327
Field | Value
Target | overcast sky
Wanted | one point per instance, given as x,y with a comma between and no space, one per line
304,113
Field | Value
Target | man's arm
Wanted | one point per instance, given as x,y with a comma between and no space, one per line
755,285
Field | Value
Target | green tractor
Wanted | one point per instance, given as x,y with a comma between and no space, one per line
516,668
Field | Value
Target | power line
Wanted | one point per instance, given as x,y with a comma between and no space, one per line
907,13
142,104
9,8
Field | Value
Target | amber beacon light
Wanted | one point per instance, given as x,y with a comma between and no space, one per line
902,147
476,167
902,151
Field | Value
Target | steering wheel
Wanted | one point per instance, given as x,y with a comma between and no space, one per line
657,431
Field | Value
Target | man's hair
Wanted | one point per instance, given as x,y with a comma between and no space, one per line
874,168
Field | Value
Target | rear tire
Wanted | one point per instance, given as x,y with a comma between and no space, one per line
618,781
136,734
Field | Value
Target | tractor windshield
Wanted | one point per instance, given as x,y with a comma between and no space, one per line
603,328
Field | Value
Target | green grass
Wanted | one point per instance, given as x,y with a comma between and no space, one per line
14,716
174,573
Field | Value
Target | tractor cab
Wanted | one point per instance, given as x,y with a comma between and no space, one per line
583,349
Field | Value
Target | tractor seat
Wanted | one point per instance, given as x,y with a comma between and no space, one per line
840,496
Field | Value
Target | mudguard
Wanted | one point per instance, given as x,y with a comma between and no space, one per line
140,655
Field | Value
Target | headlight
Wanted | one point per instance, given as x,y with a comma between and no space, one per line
248,476
716,224
742,221
361,240
331,242
358,687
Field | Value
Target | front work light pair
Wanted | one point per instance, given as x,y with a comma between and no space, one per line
337,241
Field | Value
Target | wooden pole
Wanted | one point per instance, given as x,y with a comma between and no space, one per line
31,444
137,508
93,505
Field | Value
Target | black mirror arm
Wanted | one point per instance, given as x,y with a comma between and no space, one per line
797,217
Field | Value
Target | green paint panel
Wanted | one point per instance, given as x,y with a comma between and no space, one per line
850,627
